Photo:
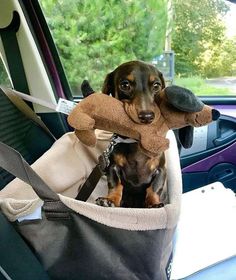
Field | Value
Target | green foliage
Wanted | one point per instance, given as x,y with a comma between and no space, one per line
4,79
93,37
199,39
219,60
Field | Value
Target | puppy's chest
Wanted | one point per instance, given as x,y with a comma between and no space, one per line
134,166
125,154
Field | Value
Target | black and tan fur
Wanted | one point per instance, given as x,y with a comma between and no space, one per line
134,178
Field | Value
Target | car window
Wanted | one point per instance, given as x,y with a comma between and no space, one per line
4,78
191,42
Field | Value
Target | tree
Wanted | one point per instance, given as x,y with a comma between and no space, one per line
219,59
93,37
198,29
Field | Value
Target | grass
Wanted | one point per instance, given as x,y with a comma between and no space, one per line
199,86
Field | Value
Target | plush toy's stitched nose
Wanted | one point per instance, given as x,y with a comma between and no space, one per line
146,116
215,114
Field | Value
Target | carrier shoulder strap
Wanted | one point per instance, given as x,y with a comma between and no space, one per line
13,162
25,109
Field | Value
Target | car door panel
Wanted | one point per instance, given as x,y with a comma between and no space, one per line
212,156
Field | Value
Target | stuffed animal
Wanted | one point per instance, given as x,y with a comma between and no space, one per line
175,107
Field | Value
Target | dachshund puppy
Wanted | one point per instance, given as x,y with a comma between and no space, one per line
135,179
143,109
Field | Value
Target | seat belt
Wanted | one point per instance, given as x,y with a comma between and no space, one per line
16,68
13,56
64,106
25,109
17,72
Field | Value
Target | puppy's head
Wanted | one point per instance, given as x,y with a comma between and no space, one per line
136,83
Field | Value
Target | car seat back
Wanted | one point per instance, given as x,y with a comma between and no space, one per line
21,133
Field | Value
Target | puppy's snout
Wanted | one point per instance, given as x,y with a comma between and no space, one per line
146,116
215,114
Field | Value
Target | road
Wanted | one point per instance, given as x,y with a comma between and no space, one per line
224,82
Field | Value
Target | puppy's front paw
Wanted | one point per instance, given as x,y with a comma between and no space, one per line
105,202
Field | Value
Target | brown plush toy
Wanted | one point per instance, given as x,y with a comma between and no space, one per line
175,107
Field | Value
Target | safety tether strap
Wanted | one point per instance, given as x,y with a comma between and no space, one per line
90,183
99,170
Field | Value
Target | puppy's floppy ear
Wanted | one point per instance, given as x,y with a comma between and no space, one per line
185,136
108,85
183,99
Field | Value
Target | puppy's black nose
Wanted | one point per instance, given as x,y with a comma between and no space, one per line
146,116
215,114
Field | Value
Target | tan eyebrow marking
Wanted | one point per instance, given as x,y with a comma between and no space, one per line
152,78
130,77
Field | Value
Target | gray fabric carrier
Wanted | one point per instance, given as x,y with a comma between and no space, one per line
72,244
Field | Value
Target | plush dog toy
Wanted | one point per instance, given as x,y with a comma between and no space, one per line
175,107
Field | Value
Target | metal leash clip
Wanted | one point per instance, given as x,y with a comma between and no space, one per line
103,159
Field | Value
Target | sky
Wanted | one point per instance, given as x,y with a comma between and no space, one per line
231,20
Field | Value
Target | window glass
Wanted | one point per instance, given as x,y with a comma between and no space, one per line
204,40
4,79
191,42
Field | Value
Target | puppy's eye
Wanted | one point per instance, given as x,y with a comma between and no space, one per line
156,86
125,86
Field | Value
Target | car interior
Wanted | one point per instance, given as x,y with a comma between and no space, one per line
31,65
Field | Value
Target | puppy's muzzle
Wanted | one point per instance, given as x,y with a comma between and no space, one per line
146,116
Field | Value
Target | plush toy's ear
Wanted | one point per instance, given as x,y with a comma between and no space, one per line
185,136
108,85
86,88
183,99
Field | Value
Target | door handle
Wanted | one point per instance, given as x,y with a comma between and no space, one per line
224,139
